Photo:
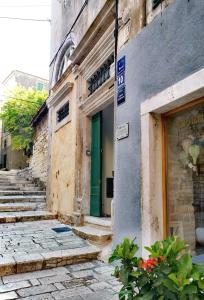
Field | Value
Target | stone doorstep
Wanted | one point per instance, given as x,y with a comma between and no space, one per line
103,222
93,234
13,217
33,262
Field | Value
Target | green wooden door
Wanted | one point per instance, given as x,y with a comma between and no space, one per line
95,197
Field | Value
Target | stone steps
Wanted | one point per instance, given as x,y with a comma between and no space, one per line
35,246
98,232
21,192
102,222
9,187
19,188
39,261
22,198
93,234
24,206
33,240
25,216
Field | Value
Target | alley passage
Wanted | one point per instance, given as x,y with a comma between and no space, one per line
32,239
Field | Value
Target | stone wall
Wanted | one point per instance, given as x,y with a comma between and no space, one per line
39,160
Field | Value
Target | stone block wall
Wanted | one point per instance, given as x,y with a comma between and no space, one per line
39,160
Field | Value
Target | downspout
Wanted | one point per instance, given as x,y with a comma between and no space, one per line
115,107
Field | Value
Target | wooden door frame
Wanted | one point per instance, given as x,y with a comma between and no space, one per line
164,118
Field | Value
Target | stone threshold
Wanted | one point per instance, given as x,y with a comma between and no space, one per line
104,222
93,234
32,262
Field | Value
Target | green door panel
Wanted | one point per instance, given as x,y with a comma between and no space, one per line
95,197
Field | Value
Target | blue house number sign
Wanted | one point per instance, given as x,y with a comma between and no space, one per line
121,81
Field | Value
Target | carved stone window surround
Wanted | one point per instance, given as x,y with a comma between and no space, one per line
101,51
56,101
99,99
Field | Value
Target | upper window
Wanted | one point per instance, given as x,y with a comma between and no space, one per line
155,3
63,112
65,62
100,76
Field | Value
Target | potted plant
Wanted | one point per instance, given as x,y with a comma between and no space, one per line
167,274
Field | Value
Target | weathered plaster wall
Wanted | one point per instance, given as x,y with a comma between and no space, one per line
39,159
169,49
62,170
64,17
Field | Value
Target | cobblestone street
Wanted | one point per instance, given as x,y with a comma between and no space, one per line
87,281
36,237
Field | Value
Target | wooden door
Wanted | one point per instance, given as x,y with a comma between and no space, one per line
95,197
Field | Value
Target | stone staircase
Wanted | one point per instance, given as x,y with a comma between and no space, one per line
21,200
98,232
31,238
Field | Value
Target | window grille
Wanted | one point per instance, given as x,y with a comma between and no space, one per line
100,76
155,3
63,112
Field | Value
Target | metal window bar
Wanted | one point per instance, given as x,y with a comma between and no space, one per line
100,76
63,112
155,3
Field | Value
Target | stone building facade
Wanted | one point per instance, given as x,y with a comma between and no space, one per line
75,102
103,131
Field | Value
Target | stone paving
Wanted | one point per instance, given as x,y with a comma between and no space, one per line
87,281
32,246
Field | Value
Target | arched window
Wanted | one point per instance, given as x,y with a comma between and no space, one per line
65,62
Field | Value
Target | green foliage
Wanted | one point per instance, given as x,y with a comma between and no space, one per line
168,273
17,114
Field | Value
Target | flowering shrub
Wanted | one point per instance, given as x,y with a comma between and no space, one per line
168,273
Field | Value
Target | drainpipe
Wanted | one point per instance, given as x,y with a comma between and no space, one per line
115,103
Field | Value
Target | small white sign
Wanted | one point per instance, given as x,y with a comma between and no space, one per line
122,131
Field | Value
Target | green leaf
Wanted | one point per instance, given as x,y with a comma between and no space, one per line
170,285
17,112
185,264
190,289
201,284
174,278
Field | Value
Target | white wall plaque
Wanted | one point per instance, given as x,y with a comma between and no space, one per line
122,131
